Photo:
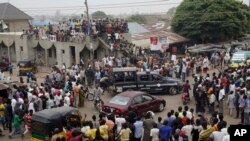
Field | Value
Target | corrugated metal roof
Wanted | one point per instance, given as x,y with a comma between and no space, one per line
135,28
10,12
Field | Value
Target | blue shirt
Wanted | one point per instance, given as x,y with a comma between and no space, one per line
138,129
165,132
170,121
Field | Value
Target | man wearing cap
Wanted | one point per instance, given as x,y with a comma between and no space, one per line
30,94
67,99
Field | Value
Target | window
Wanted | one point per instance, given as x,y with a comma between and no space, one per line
137,100
124,76
146,98
130,76
50,52
55,52
156,77
144,77
119,100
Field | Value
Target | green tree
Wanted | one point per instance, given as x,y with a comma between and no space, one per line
137,18
99,15
211,20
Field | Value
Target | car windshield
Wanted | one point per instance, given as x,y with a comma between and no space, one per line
119,100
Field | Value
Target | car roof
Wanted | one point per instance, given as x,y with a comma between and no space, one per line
124,69
144,72
131,93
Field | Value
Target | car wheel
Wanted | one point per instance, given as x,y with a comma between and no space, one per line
173,91
161,107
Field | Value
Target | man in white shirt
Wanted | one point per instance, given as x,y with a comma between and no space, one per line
119,120
227,137
67,99
63,67
30,94
218,135
13,102
189,114
188,129
221,98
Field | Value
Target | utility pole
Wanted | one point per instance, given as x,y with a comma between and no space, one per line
89,27
87,9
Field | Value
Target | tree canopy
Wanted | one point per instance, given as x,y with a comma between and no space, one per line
99,15
137,18
211,20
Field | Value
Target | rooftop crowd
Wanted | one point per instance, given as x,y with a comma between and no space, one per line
75,30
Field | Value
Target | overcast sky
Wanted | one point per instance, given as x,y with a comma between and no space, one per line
49,7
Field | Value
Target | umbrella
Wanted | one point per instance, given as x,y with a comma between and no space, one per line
3,86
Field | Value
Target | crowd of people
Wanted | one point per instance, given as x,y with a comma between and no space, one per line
65,86
75,30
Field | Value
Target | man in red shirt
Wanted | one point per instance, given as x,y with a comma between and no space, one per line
186,87
27,119
224,81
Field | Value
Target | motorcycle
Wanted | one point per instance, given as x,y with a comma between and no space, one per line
98,103
185,98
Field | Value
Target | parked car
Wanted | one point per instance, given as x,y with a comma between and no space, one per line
136,101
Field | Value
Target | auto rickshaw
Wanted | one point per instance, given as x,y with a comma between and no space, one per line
44,122
26,66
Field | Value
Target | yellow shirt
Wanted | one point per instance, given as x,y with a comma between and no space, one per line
125,133
105,130
91,133
1,110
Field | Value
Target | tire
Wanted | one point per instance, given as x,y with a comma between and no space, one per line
90,96
161,107
173,91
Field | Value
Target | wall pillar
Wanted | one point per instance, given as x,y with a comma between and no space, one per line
59,54
77,52
8,47
46,57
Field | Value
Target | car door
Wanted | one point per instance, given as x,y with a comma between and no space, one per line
144,82
157,84
149,102
137,105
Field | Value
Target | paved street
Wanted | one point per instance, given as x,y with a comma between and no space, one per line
172,103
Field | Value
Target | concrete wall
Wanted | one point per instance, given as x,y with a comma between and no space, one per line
26,49
3,52
17,25
12,50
